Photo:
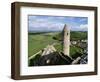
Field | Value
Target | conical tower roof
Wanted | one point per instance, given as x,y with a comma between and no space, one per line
65,27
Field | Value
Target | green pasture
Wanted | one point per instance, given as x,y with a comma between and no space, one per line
38,41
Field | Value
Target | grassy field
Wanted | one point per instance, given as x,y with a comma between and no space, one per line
78,35
38,41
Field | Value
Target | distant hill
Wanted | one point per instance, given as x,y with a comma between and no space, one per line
74,35
78,35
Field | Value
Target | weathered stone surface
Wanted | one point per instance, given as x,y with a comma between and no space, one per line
54,58
66,40
50,56
84,59
49,49
76,61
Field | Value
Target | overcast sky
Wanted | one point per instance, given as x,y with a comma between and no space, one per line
56,23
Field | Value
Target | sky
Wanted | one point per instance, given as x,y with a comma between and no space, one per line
43,23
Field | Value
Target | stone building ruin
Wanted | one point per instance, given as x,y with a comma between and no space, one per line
50,56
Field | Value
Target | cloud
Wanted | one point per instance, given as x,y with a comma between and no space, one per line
81,27
55,23
84,19
48,26
45,23
84,27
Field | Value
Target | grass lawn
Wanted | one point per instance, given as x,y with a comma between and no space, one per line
37,42
75,51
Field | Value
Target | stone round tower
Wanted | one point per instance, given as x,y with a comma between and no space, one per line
66,40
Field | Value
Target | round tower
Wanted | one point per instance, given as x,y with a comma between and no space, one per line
66,40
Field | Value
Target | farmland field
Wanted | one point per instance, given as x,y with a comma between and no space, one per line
38,41
57,40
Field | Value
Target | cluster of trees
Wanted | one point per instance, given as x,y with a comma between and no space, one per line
74,36
78,35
